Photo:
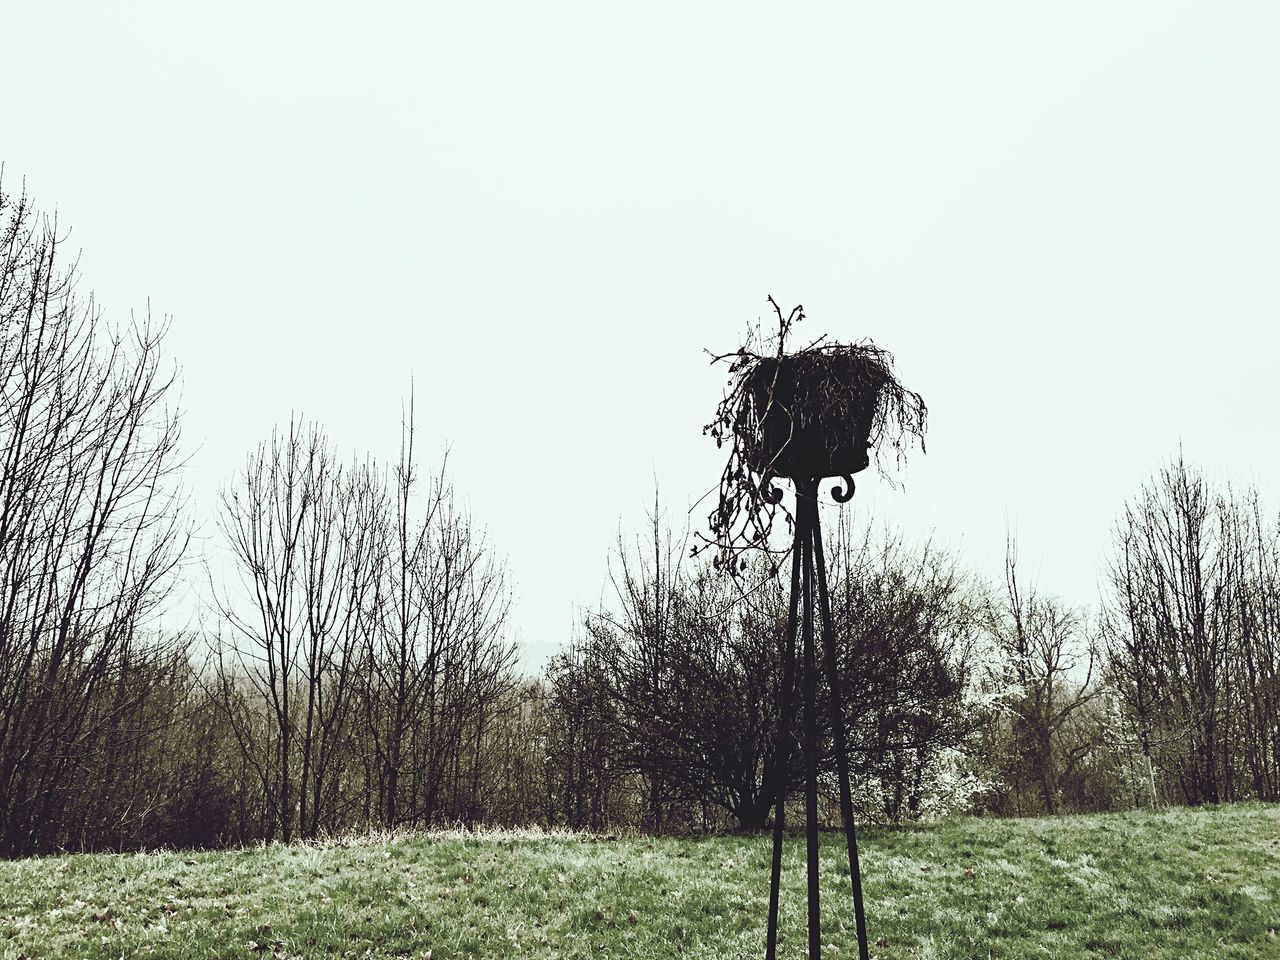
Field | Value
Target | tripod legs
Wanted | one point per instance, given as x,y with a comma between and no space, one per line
783,760
841,748
811,754
807,558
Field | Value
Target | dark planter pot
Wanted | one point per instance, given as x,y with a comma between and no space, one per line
815,414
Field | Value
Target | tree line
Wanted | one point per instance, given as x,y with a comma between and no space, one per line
355,669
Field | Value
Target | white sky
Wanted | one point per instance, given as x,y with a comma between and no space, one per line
1064,219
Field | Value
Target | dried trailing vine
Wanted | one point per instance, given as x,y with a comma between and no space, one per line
827,393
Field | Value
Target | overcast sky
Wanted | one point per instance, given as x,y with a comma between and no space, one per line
1064,219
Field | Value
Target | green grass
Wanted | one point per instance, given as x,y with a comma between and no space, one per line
1178,883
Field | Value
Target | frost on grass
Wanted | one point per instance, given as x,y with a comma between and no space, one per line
1073,886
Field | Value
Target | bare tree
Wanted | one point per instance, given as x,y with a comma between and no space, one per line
587,776
305,535
1254,559
91,533
437,659
908,619
1171,628
687,663
1047,661
691,676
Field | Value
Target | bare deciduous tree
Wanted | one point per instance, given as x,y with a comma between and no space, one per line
305,534
908,622
90,528
437,660
1191,636
1047,663
684,674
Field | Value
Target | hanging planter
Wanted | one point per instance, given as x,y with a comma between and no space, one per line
809,415
825,410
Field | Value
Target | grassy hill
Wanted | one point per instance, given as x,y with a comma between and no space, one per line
1178,883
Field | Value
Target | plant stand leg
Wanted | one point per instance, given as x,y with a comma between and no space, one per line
806,496
838,734
782,760
809,590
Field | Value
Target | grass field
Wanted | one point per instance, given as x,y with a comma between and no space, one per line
1178,883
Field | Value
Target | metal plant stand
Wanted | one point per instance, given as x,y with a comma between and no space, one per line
809,578
805,415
